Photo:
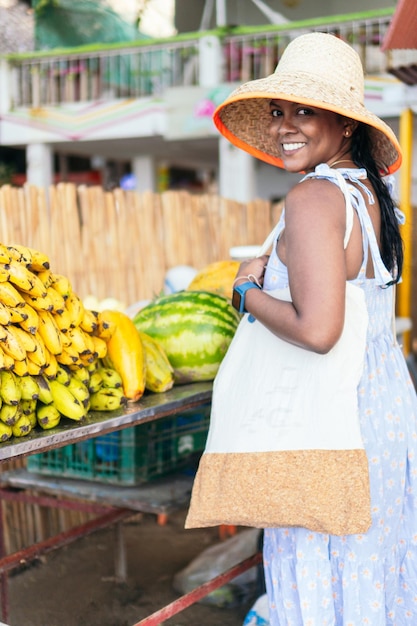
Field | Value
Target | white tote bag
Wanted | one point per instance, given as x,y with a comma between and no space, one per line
284,446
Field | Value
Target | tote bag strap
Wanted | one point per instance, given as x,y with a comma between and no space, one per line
349,219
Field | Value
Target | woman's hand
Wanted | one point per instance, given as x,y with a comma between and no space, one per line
253,270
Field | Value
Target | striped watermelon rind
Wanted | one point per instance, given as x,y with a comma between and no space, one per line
195,329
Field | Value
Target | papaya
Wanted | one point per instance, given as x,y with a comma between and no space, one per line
125,353
216,277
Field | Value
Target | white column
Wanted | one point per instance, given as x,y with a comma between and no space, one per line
143,168
39,164
210,69
5,91
236,173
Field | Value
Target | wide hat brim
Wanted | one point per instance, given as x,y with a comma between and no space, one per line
244,117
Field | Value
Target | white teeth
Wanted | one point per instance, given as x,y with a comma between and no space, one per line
292,146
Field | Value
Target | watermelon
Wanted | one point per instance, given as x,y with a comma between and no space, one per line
195,329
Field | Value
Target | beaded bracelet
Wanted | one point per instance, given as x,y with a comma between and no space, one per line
251,278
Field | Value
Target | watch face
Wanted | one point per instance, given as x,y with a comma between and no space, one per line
236,300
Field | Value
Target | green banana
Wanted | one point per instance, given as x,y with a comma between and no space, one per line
66,403
47,416
10,413
63,375
28,406
29,388
33,418
10,391
45,395
22,426
107,400
5,432
82,374
79,390
111,378
95,382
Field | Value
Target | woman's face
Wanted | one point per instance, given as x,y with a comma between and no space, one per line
306,135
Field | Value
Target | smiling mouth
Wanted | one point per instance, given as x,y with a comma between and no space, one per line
289,147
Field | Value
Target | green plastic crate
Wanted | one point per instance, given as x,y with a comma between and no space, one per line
132,455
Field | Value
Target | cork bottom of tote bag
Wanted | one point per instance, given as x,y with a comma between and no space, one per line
323,490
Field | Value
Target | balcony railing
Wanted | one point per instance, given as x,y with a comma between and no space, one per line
142,69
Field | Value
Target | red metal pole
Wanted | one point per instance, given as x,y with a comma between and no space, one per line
4,592
196,594
21,556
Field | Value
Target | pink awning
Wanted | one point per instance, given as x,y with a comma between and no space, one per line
402,31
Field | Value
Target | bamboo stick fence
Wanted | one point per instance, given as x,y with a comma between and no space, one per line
117,244
121,243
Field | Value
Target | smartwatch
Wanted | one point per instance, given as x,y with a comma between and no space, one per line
239,292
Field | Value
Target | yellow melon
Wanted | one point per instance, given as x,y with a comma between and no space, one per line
216,277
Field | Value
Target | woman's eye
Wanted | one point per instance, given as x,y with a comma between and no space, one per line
304,111
275,113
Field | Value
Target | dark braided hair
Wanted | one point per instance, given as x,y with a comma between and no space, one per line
391,242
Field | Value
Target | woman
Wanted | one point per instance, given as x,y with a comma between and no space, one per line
309,117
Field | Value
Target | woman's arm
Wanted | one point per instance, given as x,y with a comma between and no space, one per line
312,249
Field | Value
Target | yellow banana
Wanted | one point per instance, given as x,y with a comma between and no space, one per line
20,368
12,345
5,314
46,277
9,414
89,321
78,340
3,359
20,253
61,284
75,308
33,368
24,279
5,432
50,332
68,356
63,320
17,314
66,403
39,303
48,416
8,362
39,261
57,300
26,339
50,368
4,254
29,387
159,371
31,323
41,354
105,327
10,296
107,400
87,359
22,426
100,347
63,375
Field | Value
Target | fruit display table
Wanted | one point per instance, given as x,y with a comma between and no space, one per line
111,503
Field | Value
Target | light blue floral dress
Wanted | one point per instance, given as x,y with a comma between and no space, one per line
315,579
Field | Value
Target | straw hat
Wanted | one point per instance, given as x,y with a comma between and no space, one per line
316,69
